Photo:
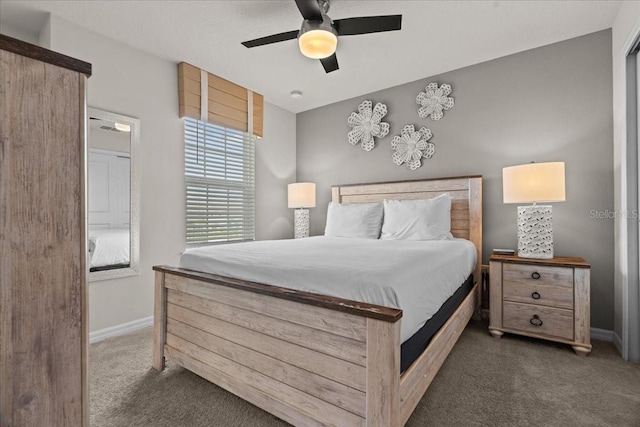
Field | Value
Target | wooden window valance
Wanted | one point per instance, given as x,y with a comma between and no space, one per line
225,103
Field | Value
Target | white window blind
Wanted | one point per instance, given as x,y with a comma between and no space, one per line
219,167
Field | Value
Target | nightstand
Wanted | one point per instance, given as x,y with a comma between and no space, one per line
541,298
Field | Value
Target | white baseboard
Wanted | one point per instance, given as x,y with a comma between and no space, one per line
617,341
602,334
122,329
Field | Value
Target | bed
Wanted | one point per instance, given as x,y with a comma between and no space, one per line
108,249
312,359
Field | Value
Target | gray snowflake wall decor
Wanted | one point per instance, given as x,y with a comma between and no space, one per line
367,124
411,146
434,100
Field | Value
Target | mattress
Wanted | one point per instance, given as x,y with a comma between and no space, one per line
108,248
414,276
412,348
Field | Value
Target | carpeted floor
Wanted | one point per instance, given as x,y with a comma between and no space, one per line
513,381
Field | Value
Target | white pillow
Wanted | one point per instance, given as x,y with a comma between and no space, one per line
417,219
362,220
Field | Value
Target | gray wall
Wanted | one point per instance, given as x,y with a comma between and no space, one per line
553,103
275,168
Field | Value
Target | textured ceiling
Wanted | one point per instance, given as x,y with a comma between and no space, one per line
436,36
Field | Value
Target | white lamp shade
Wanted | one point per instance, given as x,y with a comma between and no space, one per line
318,44
534,182
302,195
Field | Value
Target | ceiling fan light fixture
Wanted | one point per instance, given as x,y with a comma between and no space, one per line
318,39
122,127
318,35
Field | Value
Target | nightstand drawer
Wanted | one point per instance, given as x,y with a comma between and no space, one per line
538,294
553,322
535,274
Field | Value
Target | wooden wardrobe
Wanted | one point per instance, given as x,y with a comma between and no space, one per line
43,273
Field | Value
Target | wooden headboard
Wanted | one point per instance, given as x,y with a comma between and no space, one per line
466,203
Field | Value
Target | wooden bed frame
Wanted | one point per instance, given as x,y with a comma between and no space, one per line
311,359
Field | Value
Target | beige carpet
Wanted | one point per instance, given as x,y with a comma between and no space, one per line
512,381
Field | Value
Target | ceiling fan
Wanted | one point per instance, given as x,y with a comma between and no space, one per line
318,36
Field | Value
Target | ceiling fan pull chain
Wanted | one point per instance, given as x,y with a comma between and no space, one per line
324,6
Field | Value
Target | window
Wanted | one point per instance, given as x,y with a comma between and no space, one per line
219,167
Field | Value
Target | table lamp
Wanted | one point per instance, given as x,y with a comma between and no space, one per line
533,183
301,195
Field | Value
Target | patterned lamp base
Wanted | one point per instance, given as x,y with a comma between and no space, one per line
535,232
301,223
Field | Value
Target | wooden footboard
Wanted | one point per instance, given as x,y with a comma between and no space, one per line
307,364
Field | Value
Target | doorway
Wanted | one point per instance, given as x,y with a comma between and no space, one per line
631,296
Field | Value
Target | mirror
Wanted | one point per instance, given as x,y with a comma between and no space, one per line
112,190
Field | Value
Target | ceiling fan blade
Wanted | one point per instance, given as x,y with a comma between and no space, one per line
274,38
367,24
330,63
310,9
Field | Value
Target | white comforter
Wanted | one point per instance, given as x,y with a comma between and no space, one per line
415,276
108,247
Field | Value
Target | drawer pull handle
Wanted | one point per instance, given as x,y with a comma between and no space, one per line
535,275
535,295
535,320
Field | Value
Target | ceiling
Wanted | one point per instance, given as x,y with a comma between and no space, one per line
436,36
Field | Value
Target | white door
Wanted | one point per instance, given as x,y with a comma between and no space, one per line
636,341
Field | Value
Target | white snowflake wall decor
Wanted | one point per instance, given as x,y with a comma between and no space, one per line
434,100
367,124
411,146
